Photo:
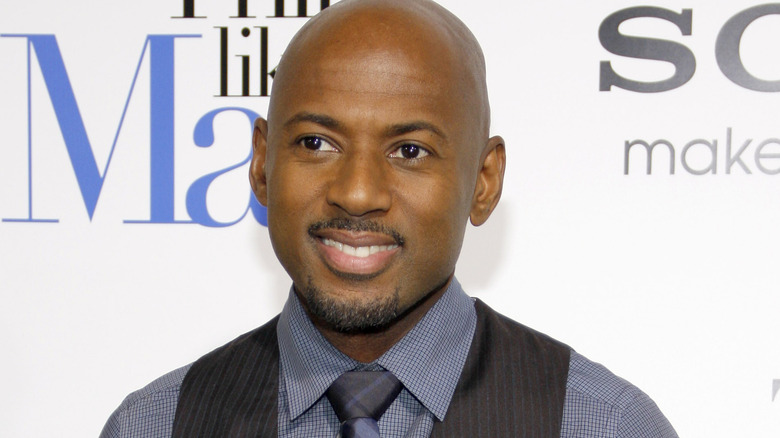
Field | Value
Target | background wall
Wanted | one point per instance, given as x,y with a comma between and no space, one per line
114,270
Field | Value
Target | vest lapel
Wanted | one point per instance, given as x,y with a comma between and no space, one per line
513,383
232,391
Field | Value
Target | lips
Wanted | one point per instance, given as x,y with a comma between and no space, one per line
356,252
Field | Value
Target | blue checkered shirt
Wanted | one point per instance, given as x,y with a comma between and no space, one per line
309,364
428,361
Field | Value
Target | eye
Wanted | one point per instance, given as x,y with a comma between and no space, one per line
409,151
314,143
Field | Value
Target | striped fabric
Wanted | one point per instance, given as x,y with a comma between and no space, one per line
513,385
230,391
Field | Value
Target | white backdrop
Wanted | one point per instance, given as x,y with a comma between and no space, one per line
668,279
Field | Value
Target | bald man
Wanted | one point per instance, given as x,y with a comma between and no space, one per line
375,155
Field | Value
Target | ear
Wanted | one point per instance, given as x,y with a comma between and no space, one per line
257,178
490,181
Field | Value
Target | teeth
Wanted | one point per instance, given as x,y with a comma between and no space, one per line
360,251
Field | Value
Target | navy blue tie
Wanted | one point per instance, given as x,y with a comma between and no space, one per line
360,398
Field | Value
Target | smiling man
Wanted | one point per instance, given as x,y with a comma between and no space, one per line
375,155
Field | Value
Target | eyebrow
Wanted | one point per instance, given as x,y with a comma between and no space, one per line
405,128
319,119
391,131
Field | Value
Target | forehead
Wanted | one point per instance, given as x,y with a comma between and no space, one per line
384,62
374,83
376,71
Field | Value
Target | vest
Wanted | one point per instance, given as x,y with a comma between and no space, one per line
513,384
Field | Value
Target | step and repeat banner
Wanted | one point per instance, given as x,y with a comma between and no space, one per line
639,220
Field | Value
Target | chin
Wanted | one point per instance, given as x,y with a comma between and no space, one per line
348,314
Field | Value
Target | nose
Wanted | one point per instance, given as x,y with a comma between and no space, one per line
360,185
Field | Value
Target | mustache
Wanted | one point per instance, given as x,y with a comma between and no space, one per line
346,224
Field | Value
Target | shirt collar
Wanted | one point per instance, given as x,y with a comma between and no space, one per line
428,360
308,362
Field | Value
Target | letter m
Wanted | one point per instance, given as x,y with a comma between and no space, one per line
649,149
89,177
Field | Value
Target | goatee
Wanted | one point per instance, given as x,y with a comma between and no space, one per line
351,316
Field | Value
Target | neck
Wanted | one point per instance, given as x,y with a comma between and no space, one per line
367,347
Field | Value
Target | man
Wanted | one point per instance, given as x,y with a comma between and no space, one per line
375,154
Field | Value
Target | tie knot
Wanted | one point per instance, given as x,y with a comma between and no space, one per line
359,394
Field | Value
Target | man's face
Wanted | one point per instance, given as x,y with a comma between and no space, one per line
371,161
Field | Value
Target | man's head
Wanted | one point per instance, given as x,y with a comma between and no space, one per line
374,157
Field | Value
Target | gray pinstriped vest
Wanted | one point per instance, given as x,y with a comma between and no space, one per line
512,385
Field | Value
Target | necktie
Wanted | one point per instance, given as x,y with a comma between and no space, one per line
360,398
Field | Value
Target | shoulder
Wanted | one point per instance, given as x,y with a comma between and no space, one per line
496,325
148,412
599,403
235,359
261,339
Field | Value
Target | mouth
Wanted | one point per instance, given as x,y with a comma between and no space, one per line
356,251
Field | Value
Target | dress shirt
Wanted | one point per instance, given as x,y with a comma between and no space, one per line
597,404
428,361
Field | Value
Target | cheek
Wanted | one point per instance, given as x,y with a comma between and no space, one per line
290,204
292,186
435,233
438,215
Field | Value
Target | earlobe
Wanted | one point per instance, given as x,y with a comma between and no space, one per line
490,181
257,175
